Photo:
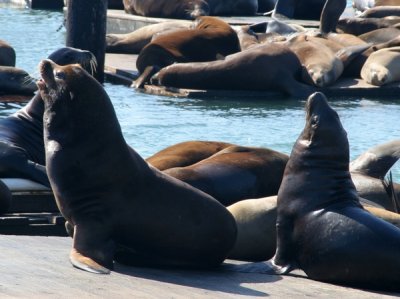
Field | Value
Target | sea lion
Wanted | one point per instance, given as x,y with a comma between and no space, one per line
369,169
257,68
381,12
304,9
7,54
235,173
133,42
358,26
21,134
321,226
382,67
167,9
256,223
110,195
191,9
14,80
381,35
353,69
322,59
210,39
185,153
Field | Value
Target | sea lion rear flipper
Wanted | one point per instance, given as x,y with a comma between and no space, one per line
330,15
92,250
148,72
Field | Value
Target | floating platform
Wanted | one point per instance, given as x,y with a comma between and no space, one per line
38,267
121,69
33,211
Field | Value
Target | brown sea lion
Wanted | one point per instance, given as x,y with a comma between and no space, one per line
381,12
235,173
382,67
358,26
321,225
167,9
382,35
189,9
185,153
7,54
258,68
210,39
133,42
110,196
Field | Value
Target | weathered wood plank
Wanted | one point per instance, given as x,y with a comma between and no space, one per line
38,267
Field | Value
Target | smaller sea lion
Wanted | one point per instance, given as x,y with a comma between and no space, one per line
381,12
382,67
14,80
133,42
358,26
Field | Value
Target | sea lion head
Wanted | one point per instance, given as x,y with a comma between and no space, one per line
69,55
377,75
323,136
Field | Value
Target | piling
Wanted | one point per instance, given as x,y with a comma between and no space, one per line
86,29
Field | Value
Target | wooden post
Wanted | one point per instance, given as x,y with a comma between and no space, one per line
86,29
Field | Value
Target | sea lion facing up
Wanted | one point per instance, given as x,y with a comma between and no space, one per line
110,196
321,226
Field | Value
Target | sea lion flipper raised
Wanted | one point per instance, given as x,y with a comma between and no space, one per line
330,15
92,249
377,160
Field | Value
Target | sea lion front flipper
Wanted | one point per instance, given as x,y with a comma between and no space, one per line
144,78
92,249
348,54
283,260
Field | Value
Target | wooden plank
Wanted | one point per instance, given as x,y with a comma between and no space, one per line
38,267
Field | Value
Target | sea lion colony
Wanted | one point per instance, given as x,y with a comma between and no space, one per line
95,252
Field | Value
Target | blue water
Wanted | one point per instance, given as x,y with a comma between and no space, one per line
150,123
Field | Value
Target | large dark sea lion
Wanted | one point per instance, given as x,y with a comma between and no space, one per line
305,9
321,226
7,54
257,68
235,173
185,153
110,195
210,39
21,134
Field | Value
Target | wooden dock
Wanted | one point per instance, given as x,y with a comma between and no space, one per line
38,267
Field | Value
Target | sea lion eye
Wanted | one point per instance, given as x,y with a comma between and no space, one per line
314,120
59,75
